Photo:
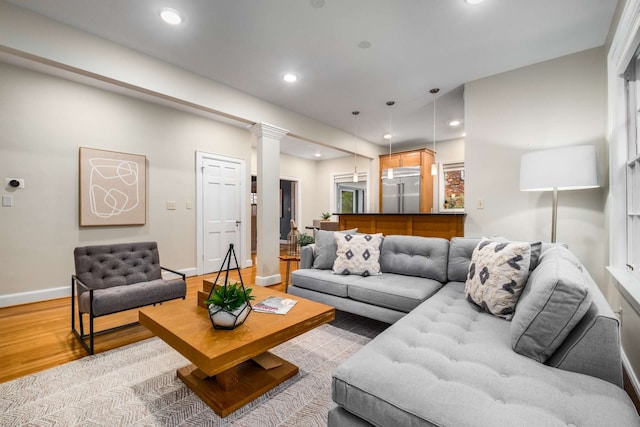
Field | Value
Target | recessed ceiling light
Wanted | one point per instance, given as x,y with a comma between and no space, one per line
387,136
454,123
318,155
290,78
473,1
170,16
364,44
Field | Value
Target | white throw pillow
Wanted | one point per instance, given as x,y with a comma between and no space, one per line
357,254
497,275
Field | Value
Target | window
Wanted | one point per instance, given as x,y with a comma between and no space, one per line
632,86
350,196
452,187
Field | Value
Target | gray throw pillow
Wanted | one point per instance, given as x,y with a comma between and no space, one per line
497,275
554,301
326,248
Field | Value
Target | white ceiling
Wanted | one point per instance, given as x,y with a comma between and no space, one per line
416,45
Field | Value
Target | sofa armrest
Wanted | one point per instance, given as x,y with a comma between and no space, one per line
174,272
75,280
307,254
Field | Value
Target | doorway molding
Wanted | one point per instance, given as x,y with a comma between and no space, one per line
298,206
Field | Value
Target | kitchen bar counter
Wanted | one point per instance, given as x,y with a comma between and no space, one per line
445,225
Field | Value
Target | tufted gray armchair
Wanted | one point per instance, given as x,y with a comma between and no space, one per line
118,277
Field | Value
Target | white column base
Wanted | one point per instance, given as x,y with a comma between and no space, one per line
268,280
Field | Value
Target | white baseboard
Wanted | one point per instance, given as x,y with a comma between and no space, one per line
268,280
65,291
630,372
34,296
193,271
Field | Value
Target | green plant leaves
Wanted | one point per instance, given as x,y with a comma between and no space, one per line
230,297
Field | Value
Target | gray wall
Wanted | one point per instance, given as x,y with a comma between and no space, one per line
555,103
44,120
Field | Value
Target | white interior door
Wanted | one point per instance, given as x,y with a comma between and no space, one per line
221,213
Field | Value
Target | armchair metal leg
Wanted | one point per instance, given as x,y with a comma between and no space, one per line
73,303
81,336
91,332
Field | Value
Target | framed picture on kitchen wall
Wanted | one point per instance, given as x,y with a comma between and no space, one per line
113,188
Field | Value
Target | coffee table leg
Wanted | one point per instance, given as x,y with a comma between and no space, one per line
231,389
228,379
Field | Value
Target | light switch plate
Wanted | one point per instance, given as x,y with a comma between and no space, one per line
7,201
171,206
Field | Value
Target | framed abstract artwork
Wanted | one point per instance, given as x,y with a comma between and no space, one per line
113,188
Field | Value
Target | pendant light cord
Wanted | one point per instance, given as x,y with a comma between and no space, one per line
390,104
434,91
355,143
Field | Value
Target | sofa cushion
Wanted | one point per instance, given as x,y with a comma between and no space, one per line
415,256
120,298
460,253
497,274
322,281
357,254
326,247
553,302
394,291
445,364
105,266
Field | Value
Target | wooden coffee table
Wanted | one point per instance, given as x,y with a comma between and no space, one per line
231,368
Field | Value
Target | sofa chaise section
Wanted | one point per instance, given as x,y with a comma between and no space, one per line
446,364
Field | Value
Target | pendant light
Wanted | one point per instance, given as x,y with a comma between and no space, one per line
390,170
434,166
355,145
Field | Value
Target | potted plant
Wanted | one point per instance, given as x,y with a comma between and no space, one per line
229,305
305,239
325,216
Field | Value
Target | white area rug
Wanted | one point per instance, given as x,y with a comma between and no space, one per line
137,385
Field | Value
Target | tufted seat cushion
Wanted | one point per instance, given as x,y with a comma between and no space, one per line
394,291
120,298
323,281
445,364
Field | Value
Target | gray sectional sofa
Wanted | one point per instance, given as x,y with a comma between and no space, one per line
443,362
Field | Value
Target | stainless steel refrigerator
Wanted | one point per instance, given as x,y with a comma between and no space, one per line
402,193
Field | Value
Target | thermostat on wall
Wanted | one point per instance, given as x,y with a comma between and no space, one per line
14,182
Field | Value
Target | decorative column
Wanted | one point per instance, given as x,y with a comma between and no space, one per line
268,220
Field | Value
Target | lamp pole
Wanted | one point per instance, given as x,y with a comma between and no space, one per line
554,215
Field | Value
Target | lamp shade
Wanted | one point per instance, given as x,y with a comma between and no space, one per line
567,168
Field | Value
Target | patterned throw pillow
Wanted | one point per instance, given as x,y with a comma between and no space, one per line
357,254
325,253
497,275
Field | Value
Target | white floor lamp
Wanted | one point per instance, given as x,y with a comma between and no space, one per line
567,168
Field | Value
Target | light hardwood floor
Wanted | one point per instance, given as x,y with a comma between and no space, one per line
38,336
